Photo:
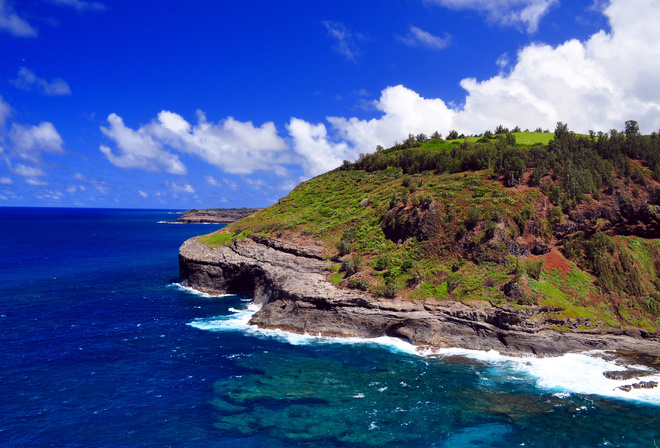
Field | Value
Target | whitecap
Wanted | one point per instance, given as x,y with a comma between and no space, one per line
198,293
561,376
579,373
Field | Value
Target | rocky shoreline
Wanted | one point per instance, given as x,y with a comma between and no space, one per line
289,283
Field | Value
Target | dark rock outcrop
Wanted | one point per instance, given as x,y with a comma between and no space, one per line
294,295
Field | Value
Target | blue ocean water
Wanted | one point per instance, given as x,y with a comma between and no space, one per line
99,347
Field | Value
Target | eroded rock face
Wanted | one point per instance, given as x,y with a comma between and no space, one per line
290,285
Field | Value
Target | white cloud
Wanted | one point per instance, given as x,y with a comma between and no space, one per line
50,195
6,180
221,184
234,146
27,171
311,142
30,141
138,149
185,188
525,13
81,5
35,181
344,38
27,80
143,194
419,37
99,185
595,84
11,23
404,112
5,110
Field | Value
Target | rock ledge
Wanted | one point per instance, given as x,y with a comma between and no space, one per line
290,285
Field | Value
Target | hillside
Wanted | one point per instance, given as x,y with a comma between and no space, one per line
565,222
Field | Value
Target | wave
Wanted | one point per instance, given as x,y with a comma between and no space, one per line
560,376
572,373
239,321
197,293
196,223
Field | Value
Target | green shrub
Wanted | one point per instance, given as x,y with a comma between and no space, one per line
534,268
472,217
382,263
358,283
351,265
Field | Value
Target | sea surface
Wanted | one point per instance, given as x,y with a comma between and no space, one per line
101,347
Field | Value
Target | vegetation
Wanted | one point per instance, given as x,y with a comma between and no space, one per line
559,220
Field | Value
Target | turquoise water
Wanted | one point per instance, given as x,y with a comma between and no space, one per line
99,346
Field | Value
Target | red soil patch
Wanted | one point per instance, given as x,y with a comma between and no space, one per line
555,260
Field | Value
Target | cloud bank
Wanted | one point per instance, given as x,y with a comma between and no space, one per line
234,146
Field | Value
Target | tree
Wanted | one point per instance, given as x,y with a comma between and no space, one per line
436,135
560,130
453,135
632,128
501,129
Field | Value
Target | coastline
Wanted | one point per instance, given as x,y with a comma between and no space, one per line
612,375
290,285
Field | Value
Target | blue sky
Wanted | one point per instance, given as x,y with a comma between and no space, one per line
197,104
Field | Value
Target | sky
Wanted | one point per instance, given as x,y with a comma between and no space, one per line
202,104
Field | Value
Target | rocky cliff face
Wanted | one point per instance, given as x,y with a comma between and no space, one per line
289,283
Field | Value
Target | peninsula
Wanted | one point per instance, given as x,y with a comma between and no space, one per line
215,215
523,242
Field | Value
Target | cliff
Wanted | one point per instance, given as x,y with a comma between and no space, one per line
290,284
483,243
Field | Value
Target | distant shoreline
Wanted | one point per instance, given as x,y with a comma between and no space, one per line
215,215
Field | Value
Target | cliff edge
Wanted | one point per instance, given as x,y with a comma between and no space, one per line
290,284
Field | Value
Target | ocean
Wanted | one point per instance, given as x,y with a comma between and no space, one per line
101,347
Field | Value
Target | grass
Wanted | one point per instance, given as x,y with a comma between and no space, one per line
469,209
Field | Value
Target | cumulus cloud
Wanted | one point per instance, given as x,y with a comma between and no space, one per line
525,13
345,40
419,37
236,147
138,149
312,143
12,23
6,180
30,141
27,80
594,84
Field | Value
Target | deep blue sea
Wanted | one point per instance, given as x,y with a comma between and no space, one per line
100,347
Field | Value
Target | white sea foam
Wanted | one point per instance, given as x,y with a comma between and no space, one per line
561,376
197,293
238,321
181,222
580,373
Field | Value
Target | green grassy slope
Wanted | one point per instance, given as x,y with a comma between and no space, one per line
465,235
